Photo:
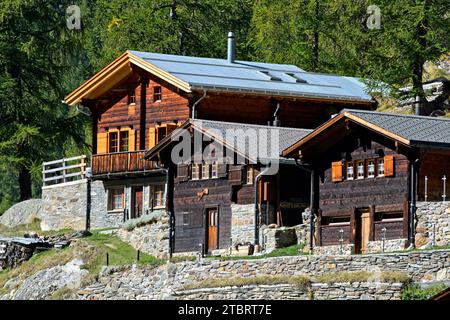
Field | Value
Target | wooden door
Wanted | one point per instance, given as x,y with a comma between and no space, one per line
137,202
212,215
362,230
365,230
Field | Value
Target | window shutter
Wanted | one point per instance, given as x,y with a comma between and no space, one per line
183,172
131,140
235,175
389,166
151,137
222,170
102,142
336,171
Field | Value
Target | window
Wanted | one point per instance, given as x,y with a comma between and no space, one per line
380,167
205,171
132,98
159,197
214,170
350,171
115,199
360,169
123,141
119,141
195,171
113,141
157,94
186,219
249,177
162,132
371,169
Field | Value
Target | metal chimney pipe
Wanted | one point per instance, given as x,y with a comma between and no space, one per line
231,47
419,111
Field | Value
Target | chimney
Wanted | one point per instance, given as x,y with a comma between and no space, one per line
419,111
231,47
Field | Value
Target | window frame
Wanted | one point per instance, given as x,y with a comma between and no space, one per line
347,164
158,193
132,98
157,94
369,175
205,166
380,164
195,174
358,166
111,199
214,173
249,175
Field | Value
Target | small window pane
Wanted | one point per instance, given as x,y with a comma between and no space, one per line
205,171
360,169
157,94
249,175
115,199
124,141
132,98
371,169
195,171
350,172
381,167
214,170
159,195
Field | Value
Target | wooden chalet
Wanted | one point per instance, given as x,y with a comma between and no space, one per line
369,172
210,194
140,98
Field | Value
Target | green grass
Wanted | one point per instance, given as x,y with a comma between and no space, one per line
294,250
92,250
415,292
299,281
362,276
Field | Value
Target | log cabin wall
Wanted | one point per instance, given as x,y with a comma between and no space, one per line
386,198
260,110
434,165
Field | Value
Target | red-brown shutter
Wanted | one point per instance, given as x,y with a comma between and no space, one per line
389,166
336,171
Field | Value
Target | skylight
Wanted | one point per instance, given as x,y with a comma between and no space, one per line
270,76
296,78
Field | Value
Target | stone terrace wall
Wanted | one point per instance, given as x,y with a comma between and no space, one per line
161,282
315,291
152,238
433,223
242,223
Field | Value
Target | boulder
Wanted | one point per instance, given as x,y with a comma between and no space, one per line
21,213
44,283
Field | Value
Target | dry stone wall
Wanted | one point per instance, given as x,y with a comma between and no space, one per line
165,281
433,224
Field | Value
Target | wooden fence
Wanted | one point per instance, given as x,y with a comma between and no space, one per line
64,170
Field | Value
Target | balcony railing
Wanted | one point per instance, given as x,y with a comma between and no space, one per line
120,163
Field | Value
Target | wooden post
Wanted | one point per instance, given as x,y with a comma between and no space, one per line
319,227
64,169
353,226
372,223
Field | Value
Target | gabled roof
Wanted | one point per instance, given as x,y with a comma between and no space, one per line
196,74
410,130
217,131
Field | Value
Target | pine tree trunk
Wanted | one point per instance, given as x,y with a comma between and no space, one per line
24,183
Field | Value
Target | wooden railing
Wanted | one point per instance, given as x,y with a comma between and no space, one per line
63,170
120,162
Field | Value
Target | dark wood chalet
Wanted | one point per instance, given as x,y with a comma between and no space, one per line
217,198
140,98
369,171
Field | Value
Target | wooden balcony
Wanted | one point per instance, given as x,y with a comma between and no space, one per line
120,163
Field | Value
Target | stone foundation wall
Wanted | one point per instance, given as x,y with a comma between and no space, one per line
356,291
346,249
162,282
242,223
433,225
386,246
152,238
64,206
